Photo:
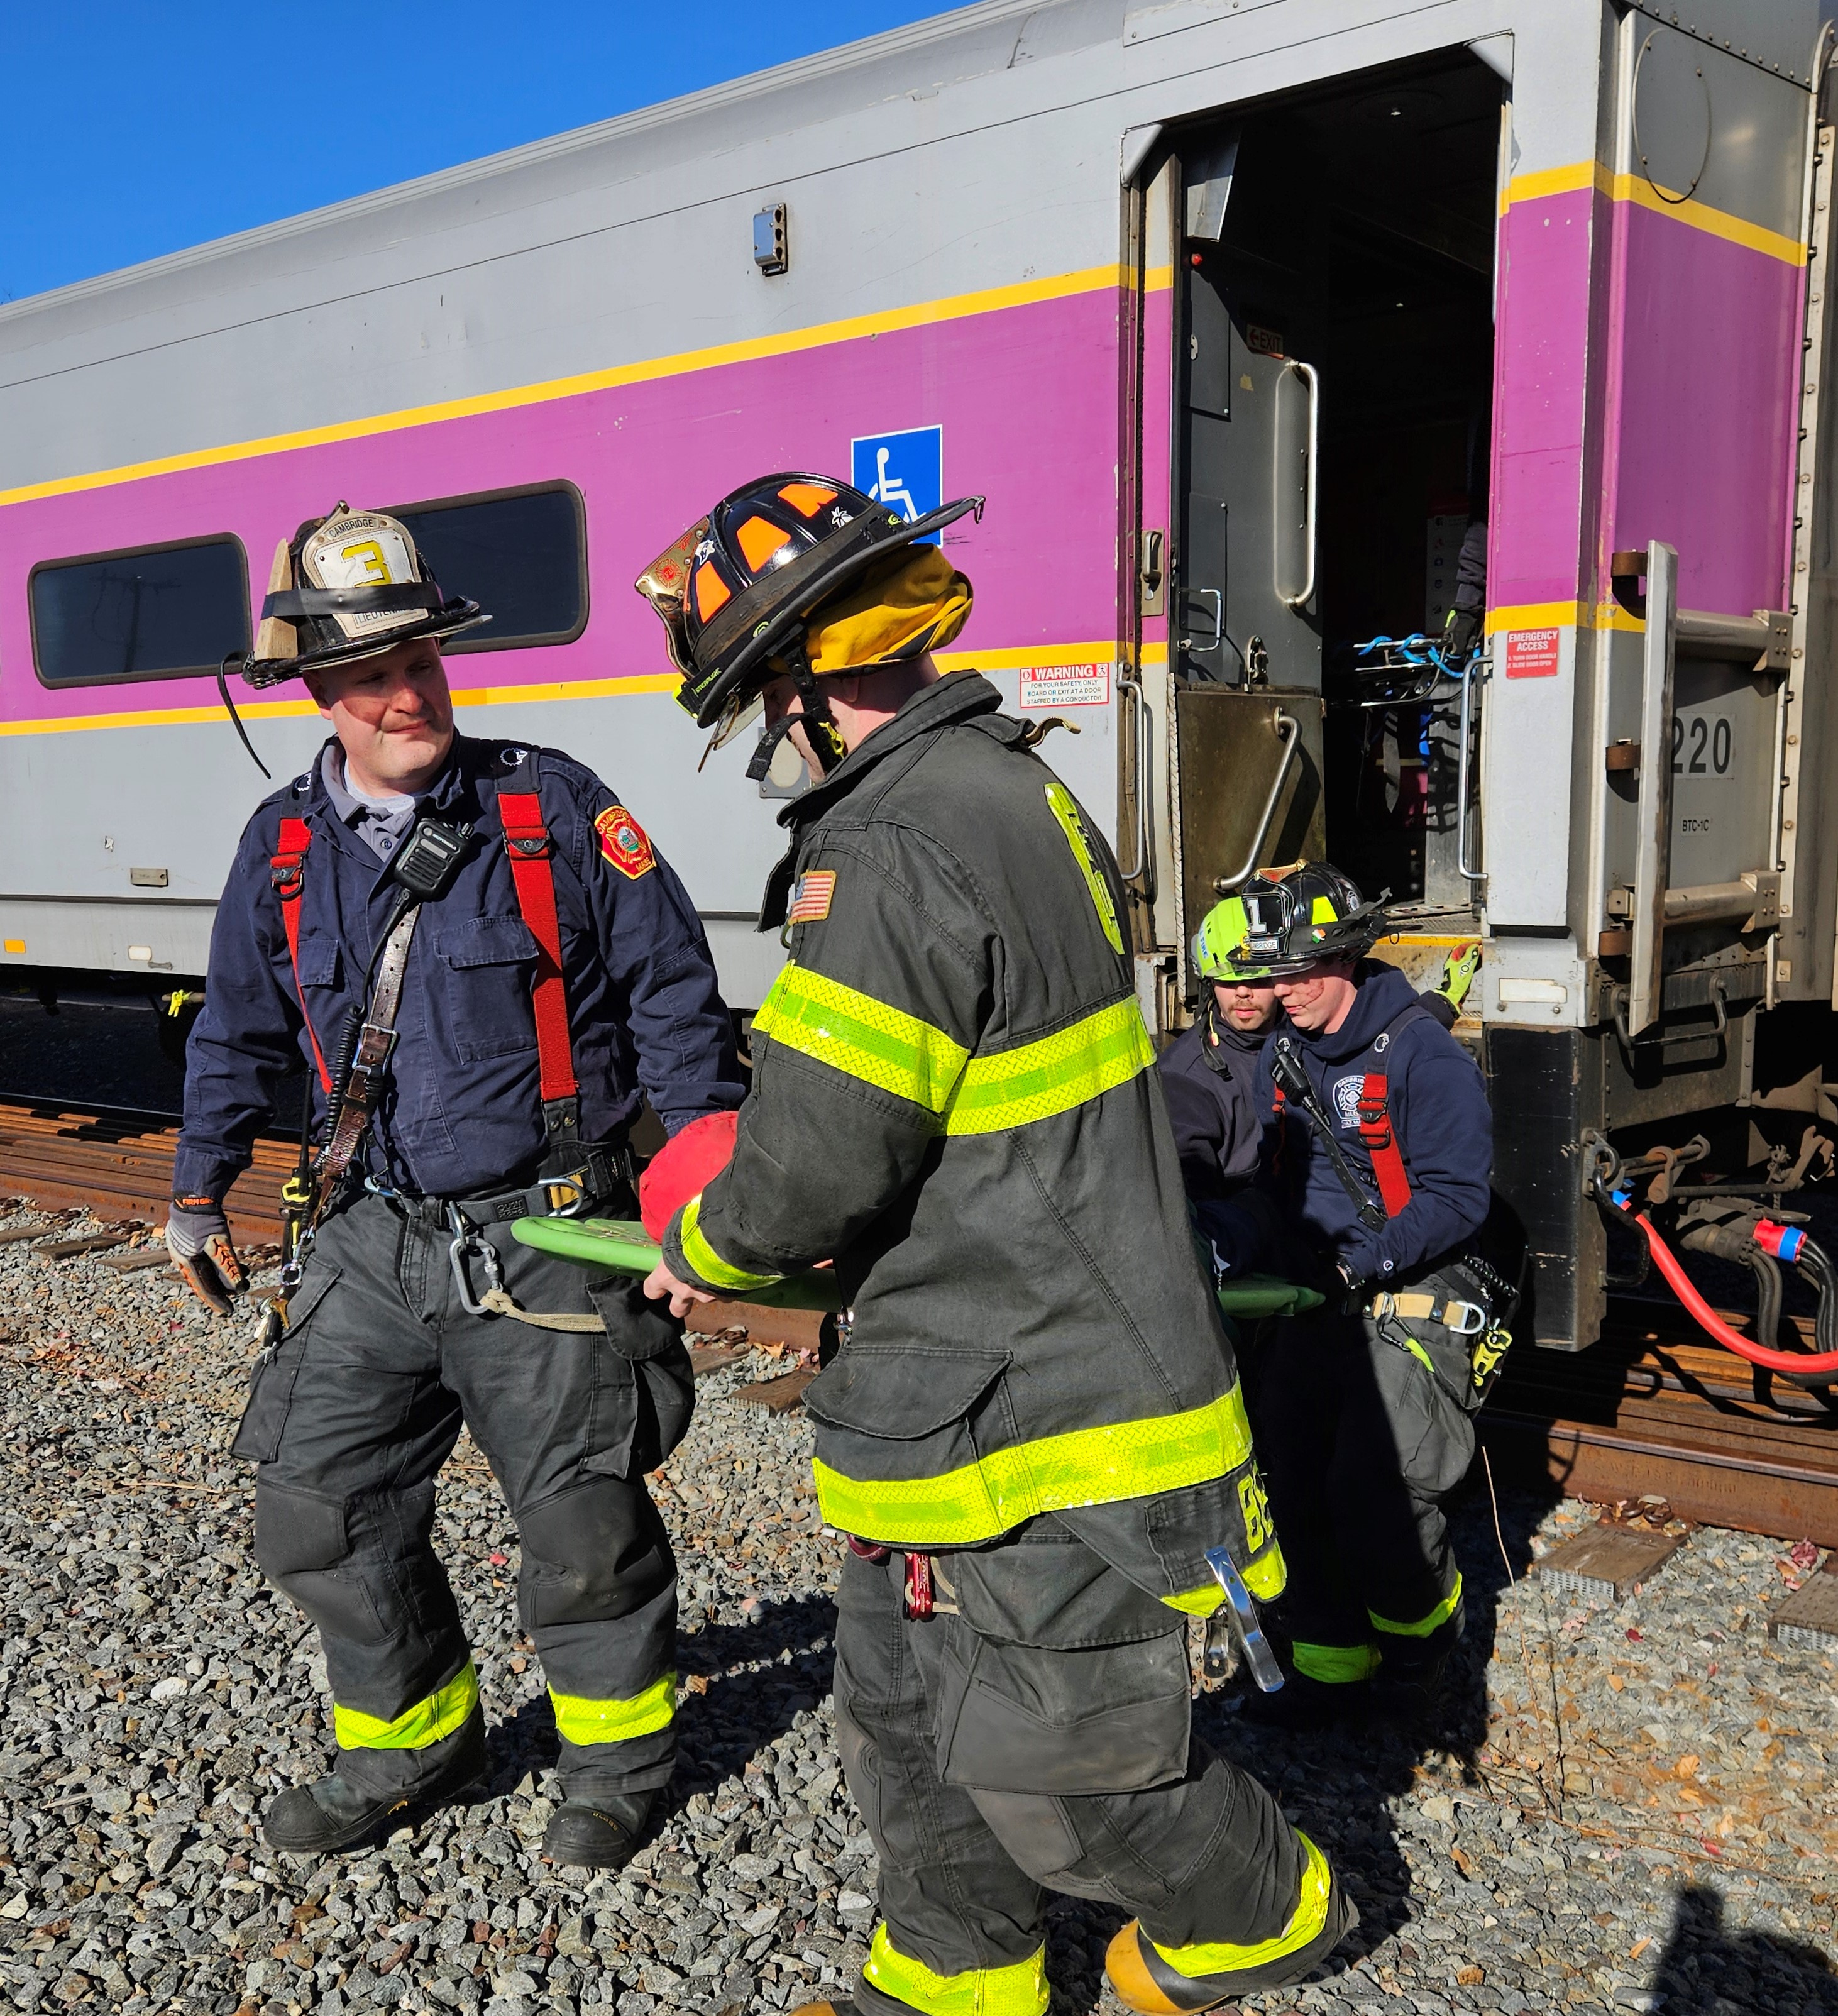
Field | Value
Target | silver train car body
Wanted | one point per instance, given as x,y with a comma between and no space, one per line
1241,313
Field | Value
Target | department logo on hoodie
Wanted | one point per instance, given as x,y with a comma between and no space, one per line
1347,1092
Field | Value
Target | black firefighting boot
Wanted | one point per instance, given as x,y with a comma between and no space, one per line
1409,1683
1158,1982
1302,1706
605,1834
336,1812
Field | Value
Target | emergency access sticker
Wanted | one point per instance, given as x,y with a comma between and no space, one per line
1064,685
1532,654
623,842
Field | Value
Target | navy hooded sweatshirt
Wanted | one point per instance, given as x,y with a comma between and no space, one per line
1440,1118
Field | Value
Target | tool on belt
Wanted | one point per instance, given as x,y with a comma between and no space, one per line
1241,1607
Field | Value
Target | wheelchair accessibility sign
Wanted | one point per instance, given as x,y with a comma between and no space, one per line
905,471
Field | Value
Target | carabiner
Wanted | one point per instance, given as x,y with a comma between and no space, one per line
467,1244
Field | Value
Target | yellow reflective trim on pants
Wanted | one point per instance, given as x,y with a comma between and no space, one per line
862,1038
439,1714
1202,1962
1052,1075
1422,1626
583,1721
1338,1665
1086,1466
1268,1576
708,1265
1201,1602
1020,1990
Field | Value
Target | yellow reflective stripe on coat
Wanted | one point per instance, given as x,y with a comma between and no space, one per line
1086,1466
1201,1963
1201,1602
580,1720
862,1038
1337,1666
439,1714
1423,1626
881,1045
1065,809
708,1264
1020,1990
1052,1075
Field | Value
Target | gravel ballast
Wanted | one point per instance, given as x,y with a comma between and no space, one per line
1624,1806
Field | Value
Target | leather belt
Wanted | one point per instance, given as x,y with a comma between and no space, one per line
1465,1319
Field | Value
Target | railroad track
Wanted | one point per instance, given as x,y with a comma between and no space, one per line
1650,1409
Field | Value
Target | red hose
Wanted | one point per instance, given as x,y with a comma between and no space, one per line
1713,1325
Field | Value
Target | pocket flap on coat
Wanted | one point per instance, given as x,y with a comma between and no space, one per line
487,941
901,1394
318,960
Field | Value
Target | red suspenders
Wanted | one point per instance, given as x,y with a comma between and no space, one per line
1380,1137
530,850
287,871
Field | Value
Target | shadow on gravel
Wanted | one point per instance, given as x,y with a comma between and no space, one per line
1707,1967
1339,1784
754,1677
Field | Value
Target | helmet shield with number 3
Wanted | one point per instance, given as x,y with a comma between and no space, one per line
1313,914
348,586
737,590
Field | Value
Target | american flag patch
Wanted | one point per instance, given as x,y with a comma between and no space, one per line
811,904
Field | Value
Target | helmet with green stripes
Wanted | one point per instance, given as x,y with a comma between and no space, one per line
1313,913
1222,930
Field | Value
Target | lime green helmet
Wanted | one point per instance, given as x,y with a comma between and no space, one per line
1222,930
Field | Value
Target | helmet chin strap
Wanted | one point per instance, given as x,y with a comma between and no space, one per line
821,731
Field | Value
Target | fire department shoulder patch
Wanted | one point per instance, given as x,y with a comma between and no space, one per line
623,842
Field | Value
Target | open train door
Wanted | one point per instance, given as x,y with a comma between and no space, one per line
1330,360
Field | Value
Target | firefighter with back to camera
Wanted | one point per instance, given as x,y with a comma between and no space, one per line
1379,1161
481,960
1033,1432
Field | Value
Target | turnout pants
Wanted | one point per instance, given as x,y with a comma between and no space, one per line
1362,1441
990,1770
349,1422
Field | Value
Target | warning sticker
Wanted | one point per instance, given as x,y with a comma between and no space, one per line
1531,654
1064,685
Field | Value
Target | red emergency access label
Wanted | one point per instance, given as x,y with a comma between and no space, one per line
1531,654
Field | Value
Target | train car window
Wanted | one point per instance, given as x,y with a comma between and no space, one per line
522,554
150,612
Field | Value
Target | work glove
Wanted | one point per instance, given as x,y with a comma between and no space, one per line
198,1237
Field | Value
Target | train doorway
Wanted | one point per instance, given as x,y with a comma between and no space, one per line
1333,354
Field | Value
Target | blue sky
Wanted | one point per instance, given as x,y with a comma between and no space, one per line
130,130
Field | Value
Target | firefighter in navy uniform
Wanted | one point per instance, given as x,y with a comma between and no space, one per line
1382,1156
482,962
1033,1432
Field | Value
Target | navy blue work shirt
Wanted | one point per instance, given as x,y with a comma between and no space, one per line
1440,1118
462,1113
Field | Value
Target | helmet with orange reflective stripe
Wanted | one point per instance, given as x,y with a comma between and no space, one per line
736,591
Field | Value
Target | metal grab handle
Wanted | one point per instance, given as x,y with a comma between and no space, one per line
1719,1009
1464,768
1311,379
1187,643
1652,828
1143,868
1225,884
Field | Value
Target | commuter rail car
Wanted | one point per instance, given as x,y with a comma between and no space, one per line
1242,313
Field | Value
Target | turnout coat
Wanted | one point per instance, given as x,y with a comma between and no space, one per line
954,1100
